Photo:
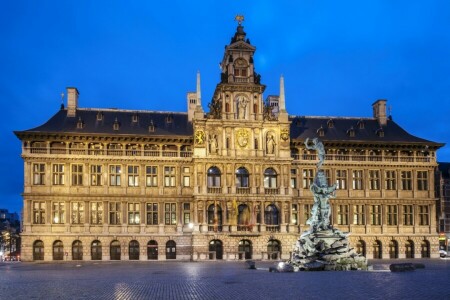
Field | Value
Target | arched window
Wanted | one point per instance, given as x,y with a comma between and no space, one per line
214,218
77,250
115,250
270,178
409,249
214,177
242,178
274,249
425,249
271,215
38,250
377,250
243,215
393,249
246,247
96,250
216,246
171,250
152,250
227,107
58,250
133,250
361,247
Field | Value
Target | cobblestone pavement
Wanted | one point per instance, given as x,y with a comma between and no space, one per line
217,280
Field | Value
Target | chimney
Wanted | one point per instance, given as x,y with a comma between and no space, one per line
379,111
72,101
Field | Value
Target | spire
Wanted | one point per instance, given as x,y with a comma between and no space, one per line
199,92
282,99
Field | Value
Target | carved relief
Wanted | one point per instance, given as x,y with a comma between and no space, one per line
242,137
199,137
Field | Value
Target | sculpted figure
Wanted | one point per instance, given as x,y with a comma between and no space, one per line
242,104
213,143
318,146
270,144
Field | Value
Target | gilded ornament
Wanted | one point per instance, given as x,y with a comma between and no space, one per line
242,137
200,137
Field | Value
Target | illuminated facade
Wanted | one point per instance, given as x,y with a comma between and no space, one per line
233,183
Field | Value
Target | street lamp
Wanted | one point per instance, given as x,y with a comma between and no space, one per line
191,227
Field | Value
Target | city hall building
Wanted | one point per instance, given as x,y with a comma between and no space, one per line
228,184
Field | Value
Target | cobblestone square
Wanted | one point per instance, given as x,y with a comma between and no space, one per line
217,280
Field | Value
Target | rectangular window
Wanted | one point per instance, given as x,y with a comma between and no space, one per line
341,179
38,212
342,214
186,181
293,178
374,179
134,217
170,213
358,180
186,213
133,175
308,177
58,174
96,175
38,174
375,215
408,215
423,215
392,215
151,176
359,217
307,211
406,180
152,214
422,180
59,215
169,176
294,215
115,213
77,174
390,180
97,213
77,212
114,175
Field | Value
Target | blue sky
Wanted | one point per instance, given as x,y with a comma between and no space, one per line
337,57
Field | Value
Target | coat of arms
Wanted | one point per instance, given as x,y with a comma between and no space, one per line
284,134
199,137
242,137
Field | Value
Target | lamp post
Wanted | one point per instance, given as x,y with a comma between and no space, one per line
191,227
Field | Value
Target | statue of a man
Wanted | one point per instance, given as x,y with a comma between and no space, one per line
242,104
321,211
270,144
318,146
213,143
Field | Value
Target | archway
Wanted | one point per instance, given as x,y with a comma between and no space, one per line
114,249
171,250
77,250
38,250
96,250
409,249
216,246
425,249
152,250
58,250
377,250
274,249
361,248
245,246
133,250
393,249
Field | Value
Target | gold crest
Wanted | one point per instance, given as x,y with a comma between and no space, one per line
284,134
242,137
200,137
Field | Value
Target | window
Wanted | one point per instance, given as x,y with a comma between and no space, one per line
359,215
213,179
408,215
133,214
390,180
170,213
186,213
341,179
423,215
422,180
308,178
39,212
97,213
151,176
357,179
133,175
152,214
307,211
58,174
375,215
77,174
115,213
374,179
96,175
342,214
242,178
38,174
169,176
59,216
114,175
77,212
293,178
294,214
270,178
406,180
392,215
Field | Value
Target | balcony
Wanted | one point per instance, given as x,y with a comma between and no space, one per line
359,157
108,152
214,190
271,191
243,190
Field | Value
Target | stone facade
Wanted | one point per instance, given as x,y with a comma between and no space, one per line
232,183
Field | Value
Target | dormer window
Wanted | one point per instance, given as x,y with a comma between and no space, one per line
169,119
330,123
99,116
351,132
360,124
116,124
151,127
380,132
321,131
135,118
80,123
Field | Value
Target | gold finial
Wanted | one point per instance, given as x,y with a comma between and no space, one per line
239,19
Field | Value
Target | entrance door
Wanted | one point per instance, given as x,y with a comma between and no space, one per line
152,250
77,250
96,250
171,250
133,250
246,247
216,246
115,250
38,250
58,250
